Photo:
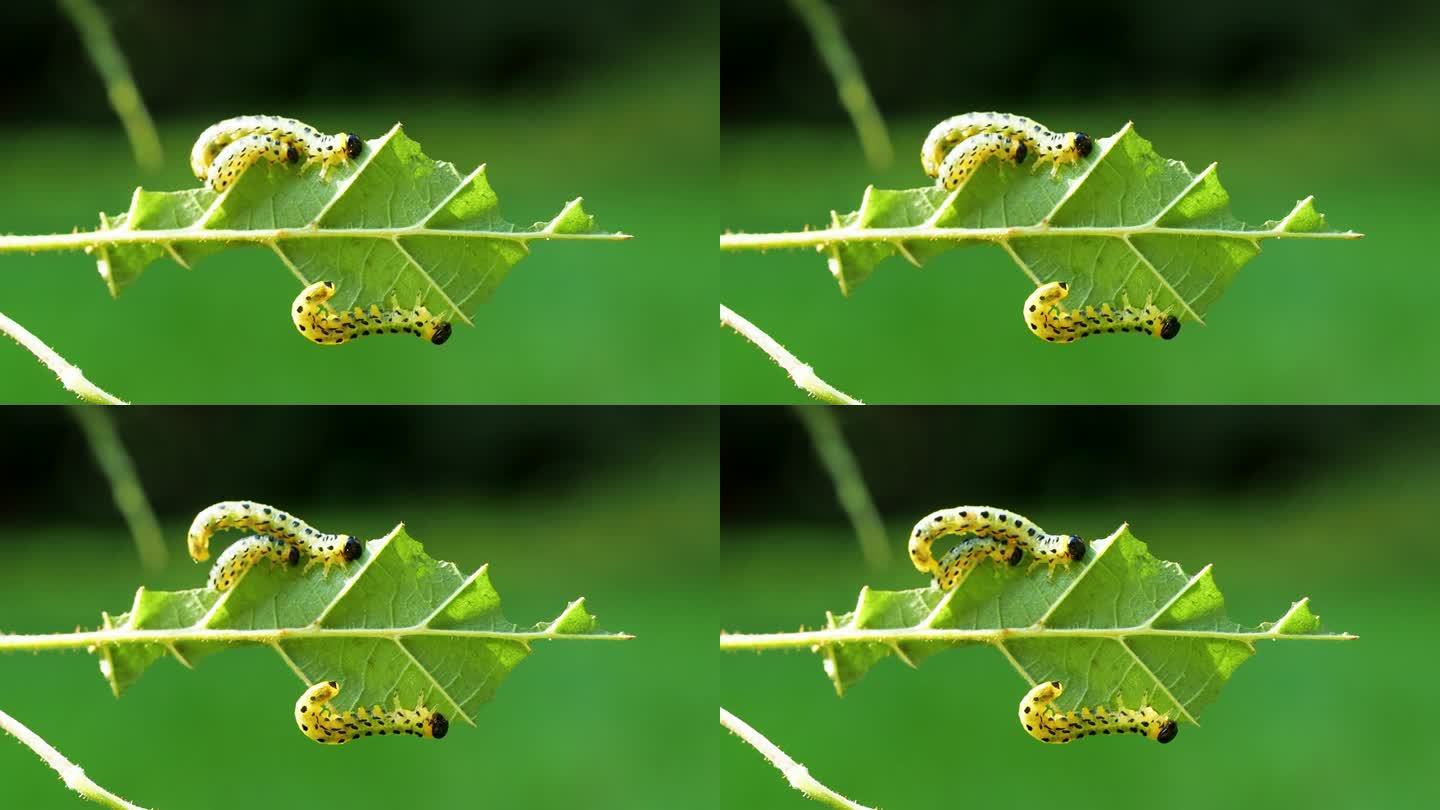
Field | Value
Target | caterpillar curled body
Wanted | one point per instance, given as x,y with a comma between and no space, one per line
317,147
327,549
964,159
1050,726
1054,147
318,722
239,155
999,534
238,558
1051,323
313,319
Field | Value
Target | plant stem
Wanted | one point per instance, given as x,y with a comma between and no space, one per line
180,635
100,43
845,635
850,489
70,376
804,376
796,774
125,486
71,774
120,236
844,68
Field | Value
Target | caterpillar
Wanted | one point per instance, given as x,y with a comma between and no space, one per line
999,534
1050,726
1053,324
963,160
313,319
318,722
328,549
327,150
1057,147
234,561
241,154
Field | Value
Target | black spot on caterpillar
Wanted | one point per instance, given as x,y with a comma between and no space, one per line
327,150
963,160
1047,725
234,561
240,155
313,319
319,723
1051,323
1055,147
327,549
1000,535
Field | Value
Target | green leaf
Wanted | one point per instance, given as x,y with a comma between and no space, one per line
390,225
1124,220
395,623
1119,627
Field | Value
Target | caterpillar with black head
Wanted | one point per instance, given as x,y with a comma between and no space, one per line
327,549
963,160
234,561
1049,726
239,155
313,319
327,150
1055,147
1000,535
323,725
1052,323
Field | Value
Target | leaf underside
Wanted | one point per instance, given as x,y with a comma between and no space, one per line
390,187
394,586
1118,588
1123,184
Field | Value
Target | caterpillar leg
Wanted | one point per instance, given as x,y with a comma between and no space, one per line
318,722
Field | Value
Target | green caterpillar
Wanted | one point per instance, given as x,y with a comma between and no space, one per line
327,549
1053,324
1000,535
1050,726
234,561
313,319
327,150
318,722
1054,147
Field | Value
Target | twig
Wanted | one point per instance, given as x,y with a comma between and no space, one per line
70,376
804,376
850,487
71,774
796,774
100,43
125,486
849,81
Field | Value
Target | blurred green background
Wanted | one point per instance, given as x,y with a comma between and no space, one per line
614,102
617,505
1334,504
1290,98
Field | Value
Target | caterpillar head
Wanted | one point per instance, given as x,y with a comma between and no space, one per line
292,155
352,549
318,293
322,692
1019,151
1166,731
1046,692
1081,143
1168,327
353,144
1014,558
1053,293
293,558
439,726
442,334
1075,548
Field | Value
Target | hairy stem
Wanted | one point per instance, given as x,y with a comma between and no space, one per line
120,236
120,635
71,774
125,486
804,376
796,774
844,68
845,635
100,43
850,489
70,376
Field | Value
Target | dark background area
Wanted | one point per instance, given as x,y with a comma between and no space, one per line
1047,50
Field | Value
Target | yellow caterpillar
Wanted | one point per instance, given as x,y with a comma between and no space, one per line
239,155
327,150
1054,147
999,534
1053,324
319,723
963,160
314,320
234,561
1050,726
327,549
